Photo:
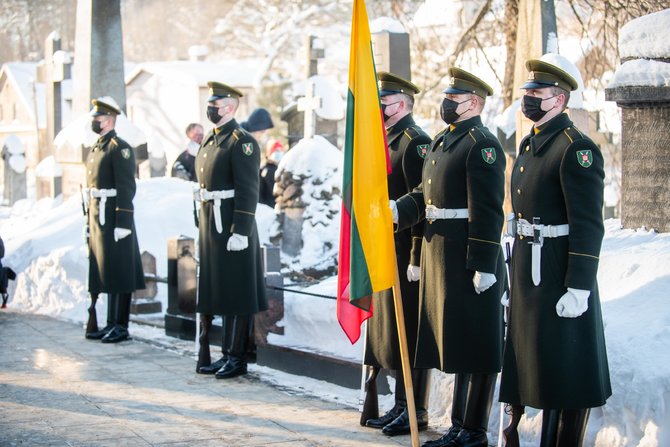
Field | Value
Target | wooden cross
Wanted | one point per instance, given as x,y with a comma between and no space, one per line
309,104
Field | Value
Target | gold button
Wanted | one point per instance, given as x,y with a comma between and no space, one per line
518,191
527,148
211,142
201,170
521,236
205,155
433,161
202,185
521,169
520,216
430,202
430,181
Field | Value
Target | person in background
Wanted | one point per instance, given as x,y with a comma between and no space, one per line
184,166
258,123
115,266
408,145
274,151
231,281
462,267
555,355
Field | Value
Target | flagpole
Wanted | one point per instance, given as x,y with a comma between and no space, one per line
404,358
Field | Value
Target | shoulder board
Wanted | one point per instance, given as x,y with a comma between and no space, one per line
113,142
238,133
480,133
573,133
414,131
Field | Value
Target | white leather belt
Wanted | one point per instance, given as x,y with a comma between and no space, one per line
217,197
433,213
101,194
538,232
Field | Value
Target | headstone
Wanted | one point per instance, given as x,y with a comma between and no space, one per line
182,288
645,139
144,301
295,120
391,53
309,104
313,54
48,178
13,169
98,59
266,321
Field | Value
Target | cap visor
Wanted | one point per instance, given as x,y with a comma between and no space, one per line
454,91
529,85
214,98
387,92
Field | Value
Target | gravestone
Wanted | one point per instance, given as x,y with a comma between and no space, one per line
645,134
48,178
391,53
13,169
144,301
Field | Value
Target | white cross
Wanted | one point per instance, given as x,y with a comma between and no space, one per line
309,104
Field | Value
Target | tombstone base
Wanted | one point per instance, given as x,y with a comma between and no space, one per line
145,306
342,372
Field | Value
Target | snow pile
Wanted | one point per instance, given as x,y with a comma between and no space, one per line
642,72
646,37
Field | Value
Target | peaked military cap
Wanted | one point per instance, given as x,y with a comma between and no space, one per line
542,74
390,84
460,81
218,90
103,108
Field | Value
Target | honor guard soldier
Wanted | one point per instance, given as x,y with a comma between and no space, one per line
408,145
231,281
462,267
555,355
114,262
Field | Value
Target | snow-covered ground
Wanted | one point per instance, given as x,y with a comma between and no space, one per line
44,245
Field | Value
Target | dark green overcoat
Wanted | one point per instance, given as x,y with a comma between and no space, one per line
408,145
553,362
114,266
460,331
231,282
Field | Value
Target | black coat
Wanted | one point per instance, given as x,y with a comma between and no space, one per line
408,145
184,167
550,361
267,183
460,331
114,266
231,282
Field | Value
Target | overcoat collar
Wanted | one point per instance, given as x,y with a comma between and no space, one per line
450,138
224,131
398,128
539,141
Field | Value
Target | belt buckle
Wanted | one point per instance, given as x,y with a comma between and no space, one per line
538,239
431,212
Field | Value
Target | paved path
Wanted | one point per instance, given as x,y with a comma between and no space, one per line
58,389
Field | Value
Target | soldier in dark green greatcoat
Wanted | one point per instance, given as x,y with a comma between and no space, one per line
114,263
462,268
231,280
408,145
555,356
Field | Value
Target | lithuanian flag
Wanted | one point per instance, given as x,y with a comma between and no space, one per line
367,251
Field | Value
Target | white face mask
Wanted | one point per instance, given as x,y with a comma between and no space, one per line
192,147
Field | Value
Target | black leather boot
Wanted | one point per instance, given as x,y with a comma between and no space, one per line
112,299
477,410
204,359
120,330
572,427
461,383
398,407
563,428
401,424
236,365
227,325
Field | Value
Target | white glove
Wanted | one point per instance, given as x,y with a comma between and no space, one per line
504,299
483,281
573,303
120,233
237,242
394,211
413,273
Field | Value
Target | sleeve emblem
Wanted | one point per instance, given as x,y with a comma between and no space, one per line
248,148
585,158
489,155
125,153
422,149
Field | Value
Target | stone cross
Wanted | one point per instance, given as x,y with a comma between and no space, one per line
312,57
310,104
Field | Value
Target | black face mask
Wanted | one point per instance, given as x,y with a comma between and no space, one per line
213,114
96,127
384,106
448,110
531,107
